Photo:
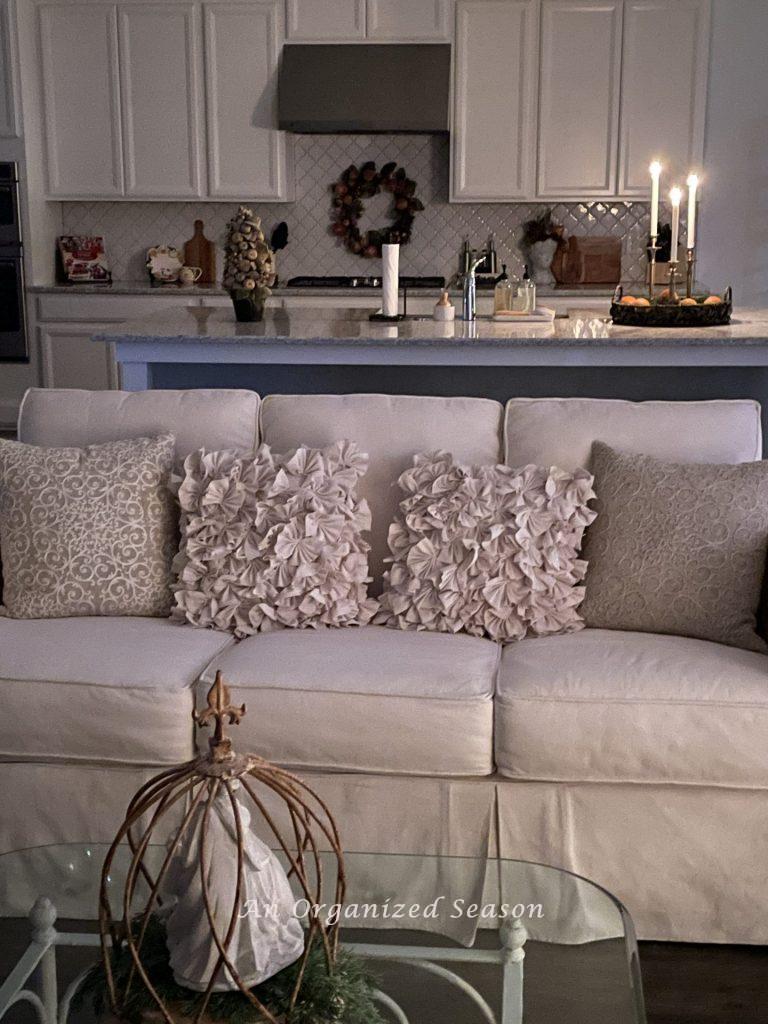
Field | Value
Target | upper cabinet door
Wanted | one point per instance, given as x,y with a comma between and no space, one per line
325,20
408,20
493,121
82,125
160,50
9,96
246,155
663,95
579,98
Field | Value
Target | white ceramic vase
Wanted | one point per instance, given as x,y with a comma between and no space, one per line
541,256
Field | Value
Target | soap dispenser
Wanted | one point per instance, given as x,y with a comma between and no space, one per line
529,290
503,292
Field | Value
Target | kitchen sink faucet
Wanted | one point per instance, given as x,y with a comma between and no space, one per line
469,286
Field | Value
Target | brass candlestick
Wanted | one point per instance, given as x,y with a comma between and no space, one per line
652,250
689,274
673,296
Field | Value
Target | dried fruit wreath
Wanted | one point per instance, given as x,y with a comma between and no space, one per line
359,183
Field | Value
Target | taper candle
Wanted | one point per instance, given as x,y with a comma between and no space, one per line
655,170
675,195
693,184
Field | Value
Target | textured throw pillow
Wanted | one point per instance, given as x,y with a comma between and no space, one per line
677,548
489,550
87,531
271,541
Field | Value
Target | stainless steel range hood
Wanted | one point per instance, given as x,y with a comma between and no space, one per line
362,87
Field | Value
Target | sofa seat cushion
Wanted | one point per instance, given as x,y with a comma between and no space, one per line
615,706
107,690
366,699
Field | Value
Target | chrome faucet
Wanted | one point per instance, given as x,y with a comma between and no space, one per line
469,290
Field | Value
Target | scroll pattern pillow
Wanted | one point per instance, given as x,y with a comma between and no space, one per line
87,531
677,548
273,541
487,550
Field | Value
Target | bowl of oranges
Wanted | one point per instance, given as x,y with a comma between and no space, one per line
662,311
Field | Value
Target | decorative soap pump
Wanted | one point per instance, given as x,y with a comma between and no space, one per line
503,293
444,308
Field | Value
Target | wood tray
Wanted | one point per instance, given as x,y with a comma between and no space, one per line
666,314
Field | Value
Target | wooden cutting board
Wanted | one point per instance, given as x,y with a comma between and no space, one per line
200,252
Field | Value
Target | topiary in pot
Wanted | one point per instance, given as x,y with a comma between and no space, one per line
249,266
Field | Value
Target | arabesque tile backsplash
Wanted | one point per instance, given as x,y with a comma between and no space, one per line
130,228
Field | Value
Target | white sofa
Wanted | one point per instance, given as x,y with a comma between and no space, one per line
635,759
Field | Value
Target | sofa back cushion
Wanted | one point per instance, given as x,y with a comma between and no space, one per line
206,418
560,431
391,429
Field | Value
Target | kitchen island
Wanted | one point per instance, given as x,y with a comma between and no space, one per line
321,351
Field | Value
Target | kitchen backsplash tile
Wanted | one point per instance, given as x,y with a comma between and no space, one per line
131,228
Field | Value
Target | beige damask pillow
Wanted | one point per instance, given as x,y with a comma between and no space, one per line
487,550
87,531
271,541
677,548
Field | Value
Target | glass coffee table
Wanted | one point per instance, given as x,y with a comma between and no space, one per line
454,940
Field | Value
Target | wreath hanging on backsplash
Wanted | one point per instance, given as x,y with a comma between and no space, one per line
358,183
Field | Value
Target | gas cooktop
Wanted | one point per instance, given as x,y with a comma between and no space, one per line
363,282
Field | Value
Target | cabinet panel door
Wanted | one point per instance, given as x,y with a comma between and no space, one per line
246,154
579,85
326,20
82,125
161,100
663,95
493,124
71,360
407,20
9,96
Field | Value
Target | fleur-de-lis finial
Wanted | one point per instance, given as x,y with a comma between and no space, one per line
220,710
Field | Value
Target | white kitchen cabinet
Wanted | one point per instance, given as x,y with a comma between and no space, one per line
71,360
325,20
246,156
493,117
663,95
161,99
10,121
82,115
408,20
579,83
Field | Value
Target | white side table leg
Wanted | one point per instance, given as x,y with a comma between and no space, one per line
513,936
43,918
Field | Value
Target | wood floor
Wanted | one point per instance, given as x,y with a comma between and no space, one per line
684,984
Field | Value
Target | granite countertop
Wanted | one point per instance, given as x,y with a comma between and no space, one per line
351,327
207,290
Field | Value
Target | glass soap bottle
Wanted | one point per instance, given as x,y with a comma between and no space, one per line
503,292
529,289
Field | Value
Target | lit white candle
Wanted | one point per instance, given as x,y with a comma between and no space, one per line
675,195
693,184
655,170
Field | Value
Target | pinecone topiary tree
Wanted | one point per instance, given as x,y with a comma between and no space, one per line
249,263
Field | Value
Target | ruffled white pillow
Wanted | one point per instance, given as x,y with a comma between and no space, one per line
272,541
487,550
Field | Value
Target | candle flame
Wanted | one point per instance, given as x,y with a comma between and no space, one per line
655,169
675,195
693,181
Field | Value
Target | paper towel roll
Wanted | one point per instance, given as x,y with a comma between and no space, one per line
390,278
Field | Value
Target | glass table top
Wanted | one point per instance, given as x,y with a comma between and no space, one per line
580,953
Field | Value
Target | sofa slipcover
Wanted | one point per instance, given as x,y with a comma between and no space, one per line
391,429
560,431
367,699
110,690
614,706
205,418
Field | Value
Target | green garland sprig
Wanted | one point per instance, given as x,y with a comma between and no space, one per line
359,183
343,996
